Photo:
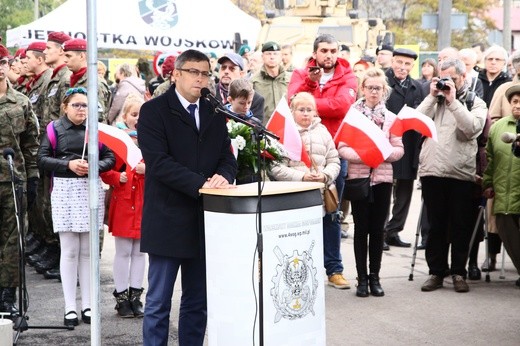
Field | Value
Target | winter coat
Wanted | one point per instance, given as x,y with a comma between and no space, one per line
412,96
490,87
126,201
322,150
127,86
503,170
453,155
335,98
271,88
382,173
179,160
499,106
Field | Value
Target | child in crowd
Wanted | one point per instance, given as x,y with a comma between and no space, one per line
240,98
124,220
62,152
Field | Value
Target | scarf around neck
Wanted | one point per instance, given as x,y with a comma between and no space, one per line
376,114
76,76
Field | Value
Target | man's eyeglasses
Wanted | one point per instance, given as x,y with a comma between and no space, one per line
196,73
495,59
79,90
373,88
78,106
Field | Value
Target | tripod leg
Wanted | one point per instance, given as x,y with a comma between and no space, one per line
502,271
417,233
486,239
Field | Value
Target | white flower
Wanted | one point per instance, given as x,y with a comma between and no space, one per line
241,142
229,126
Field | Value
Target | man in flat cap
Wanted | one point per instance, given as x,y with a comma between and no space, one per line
384,56
272,80
409,92
232,67
76,54
18,131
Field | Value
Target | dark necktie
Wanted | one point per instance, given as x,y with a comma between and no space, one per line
191,108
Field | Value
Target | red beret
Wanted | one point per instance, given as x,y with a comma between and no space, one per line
20,53
37,46
58,37
3,52
168,65
76,44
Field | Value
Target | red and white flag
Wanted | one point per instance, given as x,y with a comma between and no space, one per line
120,143
282,124
365,137
411,119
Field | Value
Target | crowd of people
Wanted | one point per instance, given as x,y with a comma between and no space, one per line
471,95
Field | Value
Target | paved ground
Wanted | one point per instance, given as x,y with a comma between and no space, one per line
488,315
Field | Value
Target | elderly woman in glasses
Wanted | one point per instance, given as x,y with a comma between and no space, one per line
63,154
370,213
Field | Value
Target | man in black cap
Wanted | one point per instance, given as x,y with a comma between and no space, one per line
384,56
231,68
405,91
272,80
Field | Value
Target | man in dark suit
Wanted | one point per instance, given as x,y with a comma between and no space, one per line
186,147
405,91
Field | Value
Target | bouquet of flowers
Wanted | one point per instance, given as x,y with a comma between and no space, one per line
242,138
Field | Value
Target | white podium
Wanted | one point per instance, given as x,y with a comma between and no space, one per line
293,288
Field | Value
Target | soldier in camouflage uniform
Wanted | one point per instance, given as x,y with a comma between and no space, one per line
167,70
20,59
76,54
19,131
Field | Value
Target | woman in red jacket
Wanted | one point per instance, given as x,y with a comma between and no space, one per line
124,220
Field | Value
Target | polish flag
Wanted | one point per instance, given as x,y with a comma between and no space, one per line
365,137
411,119
282,124
120,143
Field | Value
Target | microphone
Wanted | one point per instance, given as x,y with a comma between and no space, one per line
8,154
206,94
506,137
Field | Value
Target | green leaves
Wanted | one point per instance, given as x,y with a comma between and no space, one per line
20,12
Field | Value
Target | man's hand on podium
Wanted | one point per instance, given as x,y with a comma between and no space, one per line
217,182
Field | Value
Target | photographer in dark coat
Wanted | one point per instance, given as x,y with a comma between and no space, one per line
409,92
186,147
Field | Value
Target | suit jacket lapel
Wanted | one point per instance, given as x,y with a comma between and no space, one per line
178,110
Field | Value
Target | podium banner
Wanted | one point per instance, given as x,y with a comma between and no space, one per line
293,280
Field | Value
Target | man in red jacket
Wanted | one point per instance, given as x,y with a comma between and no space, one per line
334,86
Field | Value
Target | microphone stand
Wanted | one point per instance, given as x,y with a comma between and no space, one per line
20,322
259,132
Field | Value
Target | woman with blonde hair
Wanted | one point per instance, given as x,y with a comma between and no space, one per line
325,168
370,213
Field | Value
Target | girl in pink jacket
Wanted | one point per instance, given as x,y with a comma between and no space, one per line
370,213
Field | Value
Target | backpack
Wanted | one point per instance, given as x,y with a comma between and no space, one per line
52,135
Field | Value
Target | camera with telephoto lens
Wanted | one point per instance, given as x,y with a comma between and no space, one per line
441,83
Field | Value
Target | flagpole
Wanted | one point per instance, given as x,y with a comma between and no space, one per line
93,174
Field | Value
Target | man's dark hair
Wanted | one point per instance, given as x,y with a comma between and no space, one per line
327,38
190,55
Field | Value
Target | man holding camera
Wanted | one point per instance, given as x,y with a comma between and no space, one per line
405,92
448,171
